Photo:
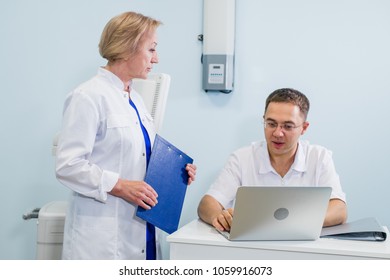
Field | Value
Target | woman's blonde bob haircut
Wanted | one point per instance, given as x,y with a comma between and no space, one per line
122,34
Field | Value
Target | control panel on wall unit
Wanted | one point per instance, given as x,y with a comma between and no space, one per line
216,74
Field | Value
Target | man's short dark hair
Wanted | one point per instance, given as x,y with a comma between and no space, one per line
289,95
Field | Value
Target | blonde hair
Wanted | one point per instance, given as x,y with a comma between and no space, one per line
122,34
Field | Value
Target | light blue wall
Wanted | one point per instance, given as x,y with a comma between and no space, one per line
336,52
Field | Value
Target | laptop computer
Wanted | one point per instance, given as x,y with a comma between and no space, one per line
278,213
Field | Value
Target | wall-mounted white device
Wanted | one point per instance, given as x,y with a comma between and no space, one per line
218,45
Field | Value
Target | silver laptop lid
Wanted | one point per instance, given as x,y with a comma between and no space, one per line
279,213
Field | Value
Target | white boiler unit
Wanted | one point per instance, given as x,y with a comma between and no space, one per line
218,45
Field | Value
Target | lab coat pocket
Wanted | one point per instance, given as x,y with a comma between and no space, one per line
95,237
121,126
118,120
148,117
149,124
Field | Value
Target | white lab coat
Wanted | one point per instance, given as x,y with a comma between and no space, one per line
101,141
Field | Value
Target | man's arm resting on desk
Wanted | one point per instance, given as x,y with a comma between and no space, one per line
336,213
213,213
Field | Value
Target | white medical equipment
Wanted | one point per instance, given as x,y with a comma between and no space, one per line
51,217
218,45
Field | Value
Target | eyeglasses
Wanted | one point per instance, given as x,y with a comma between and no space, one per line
287,127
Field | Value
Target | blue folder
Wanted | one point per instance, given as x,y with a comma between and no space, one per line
167,175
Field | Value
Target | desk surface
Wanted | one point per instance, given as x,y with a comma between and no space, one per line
203,241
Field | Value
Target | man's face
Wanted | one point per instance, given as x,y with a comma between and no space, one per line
284,124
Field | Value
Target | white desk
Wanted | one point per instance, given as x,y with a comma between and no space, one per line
199,241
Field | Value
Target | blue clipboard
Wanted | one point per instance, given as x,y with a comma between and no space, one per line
167,175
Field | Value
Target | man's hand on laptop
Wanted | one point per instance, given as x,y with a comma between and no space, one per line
223,220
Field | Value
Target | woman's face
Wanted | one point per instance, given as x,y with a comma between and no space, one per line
141,63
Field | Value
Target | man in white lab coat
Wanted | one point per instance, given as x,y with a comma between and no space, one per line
283,159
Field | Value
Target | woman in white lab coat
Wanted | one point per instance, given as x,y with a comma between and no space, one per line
103,147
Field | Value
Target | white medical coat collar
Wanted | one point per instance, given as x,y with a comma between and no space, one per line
114,79
298,165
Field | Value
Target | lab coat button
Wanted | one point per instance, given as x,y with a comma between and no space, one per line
143,154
